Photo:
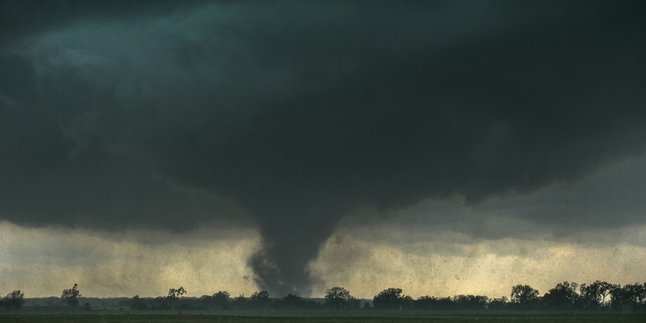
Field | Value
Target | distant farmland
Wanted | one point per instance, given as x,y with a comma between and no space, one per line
128,318
31,317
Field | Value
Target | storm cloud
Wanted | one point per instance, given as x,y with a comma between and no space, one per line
289,116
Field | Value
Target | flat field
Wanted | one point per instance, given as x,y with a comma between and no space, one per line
128,318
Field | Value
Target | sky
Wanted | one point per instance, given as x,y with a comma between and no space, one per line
445,147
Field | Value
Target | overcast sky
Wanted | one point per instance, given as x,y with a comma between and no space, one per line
443,147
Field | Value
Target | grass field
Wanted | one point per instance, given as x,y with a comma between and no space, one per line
129,318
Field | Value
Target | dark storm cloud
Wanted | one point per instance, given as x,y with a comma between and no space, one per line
593,210
23,18
302,112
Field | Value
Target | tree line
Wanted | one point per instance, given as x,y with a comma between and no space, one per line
565,296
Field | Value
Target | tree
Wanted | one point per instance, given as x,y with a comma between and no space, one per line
175,293
524,295
631,296
636,293
13,300
391,298
596,295
240,301
473,302
433,303
338,298
71,296
293,301
260,298
221,299
563,296
498,303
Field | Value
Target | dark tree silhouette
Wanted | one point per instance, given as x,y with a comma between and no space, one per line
628,297
498,303
240,302
260,298
636,293
293,301
221,299
391,298
562,296
434,303
524,296
338,298
175,293
620,298
595,295
71,296
13,300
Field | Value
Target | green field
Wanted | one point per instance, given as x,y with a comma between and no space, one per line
130,318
